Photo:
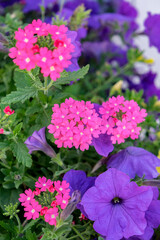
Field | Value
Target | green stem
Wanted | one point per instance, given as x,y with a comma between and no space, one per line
14,138
72,237
109,82
4,165
31,75
78,233
45,85
19,223
50,85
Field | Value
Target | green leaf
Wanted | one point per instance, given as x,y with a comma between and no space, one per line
10,227
22,79
8,196
57,160
67,77
20,151
30,235
18,128
30,224
100,238
3,145
21,95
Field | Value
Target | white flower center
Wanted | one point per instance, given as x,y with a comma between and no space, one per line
118,135
57,127
28,198
132,130
60,188
52,68
26,40
124,127
52,216
37,29
81,133
60,58
32,211
91,129
107,125
77,113
44,59
57,33
63,201
27,60
71,138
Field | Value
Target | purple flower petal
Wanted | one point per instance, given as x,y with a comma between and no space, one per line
135,161
102,145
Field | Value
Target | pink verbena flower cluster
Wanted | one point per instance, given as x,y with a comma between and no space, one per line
3,121
74,123
44,45
46,200
120,118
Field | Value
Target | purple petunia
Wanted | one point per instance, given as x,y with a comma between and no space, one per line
151,24
135,161
37,142
29,6
78,180
117,206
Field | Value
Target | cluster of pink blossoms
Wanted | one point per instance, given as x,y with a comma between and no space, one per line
46,200
120,118
74,123
8,112
44,45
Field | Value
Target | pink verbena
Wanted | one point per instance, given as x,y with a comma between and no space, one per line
47,200
43,45
1,130
74,123
8,111
120,118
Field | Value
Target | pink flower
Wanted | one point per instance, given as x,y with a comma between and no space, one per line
27,197
1,130
62,200
43,183
51,215
32,210
43,45
62,187
75,123
120,119
8,111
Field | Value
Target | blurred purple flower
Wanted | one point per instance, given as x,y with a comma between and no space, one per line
126,9
7,3
78,180
30,6
151,24
77,51
117,205
135,161
37,142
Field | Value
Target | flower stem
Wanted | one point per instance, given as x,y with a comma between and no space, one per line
78,233
109,82
19,223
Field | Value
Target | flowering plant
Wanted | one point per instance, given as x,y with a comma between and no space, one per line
79,122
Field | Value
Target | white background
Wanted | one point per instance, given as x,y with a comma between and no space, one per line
144,6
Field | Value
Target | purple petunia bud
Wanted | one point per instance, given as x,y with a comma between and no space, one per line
75,199
37,142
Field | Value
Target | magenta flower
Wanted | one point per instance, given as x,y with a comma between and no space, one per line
8,111
43,183
27,197
135,161
37,142
62,187
62,200
51,215
75,123
117,206
32,210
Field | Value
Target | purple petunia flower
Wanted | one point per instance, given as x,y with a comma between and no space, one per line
117,206
78,180
77,51
151,24
29,6
37,142
135,161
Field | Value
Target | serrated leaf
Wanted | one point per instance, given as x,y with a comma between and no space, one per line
68,77
22,79
3,145
18,128
30,235
30,224
20,151
10,227
21,95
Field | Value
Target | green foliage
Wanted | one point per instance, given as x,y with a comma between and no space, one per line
20,151
79,17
